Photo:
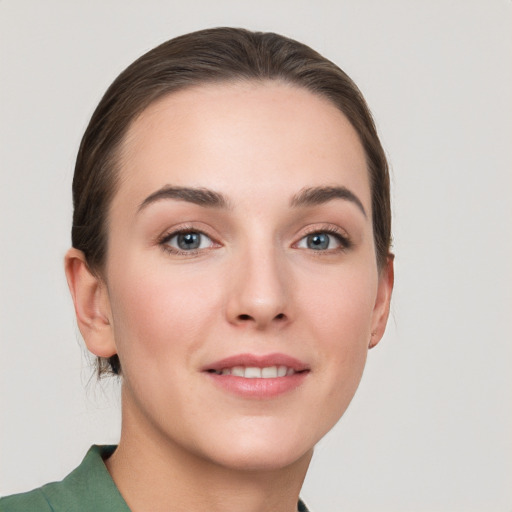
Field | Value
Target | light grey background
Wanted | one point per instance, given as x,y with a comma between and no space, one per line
431,426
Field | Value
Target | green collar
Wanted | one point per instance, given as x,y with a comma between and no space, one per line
90,484
89,488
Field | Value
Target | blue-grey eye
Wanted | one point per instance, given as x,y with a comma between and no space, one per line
320,241
189,241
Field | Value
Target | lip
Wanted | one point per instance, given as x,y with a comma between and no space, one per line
261,361
257,388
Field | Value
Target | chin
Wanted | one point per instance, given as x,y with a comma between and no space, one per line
265,450
264,460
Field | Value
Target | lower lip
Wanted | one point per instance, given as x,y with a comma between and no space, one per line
258,388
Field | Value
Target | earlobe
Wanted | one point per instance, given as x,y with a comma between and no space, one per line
92,306
382,302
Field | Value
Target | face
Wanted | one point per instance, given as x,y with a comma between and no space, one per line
241,277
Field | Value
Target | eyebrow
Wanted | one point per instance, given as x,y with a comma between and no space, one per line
312,196
200,196
309,196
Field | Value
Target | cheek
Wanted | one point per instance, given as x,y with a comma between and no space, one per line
340,320
158,313
340,304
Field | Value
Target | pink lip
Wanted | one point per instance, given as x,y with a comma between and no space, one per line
259,361
257,388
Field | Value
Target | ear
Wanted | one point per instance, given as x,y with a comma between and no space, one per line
92,306
382,303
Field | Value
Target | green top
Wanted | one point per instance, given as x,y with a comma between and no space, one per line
89,488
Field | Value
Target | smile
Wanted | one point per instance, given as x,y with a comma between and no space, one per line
260,377
254,372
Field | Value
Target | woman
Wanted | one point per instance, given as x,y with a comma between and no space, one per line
231,263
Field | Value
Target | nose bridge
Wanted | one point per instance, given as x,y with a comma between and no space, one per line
259,292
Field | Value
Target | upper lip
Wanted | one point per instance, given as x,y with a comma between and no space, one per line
258,361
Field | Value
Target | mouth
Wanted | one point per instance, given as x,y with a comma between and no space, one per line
255,376
254,372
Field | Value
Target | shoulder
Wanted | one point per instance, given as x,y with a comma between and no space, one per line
33,501
88,488
53,497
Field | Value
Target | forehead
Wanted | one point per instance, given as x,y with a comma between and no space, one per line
243,136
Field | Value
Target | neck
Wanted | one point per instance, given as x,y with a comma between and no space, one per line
155,473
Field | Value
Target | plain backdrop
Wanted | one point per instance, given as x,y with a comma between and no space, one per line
430,428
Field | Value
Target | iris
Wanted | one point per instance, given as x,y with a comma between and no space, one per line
318,241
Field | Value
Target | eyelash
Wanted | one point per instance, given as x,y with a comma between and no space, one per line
163,241
337,233
341,237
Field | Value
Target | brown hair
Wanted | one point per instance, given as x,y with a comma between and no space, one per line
209,56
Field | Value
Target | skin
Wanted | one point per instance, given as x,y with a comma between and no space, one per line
254,286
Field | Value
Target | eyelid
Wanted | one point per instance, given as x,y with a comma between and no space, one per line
340,234
169,234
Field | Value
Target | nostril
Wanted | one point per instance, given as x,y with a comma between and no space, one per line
246,318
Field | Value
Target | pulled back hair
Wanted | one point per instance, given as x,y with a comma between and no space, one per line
209,56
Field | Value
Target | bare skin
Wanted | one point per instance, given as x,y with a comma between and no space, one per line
240,237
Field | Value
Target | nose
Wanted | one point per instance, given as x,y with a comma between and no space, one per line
258,295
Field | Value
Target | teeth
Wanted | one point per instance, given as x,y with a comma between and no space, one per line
269,373
238,371
253,372
281,371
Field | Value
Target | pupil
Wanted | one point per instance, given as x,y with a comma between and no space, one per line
188,241
318,241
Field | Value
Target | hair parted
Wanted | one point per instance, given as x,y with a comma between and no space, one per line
199,58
